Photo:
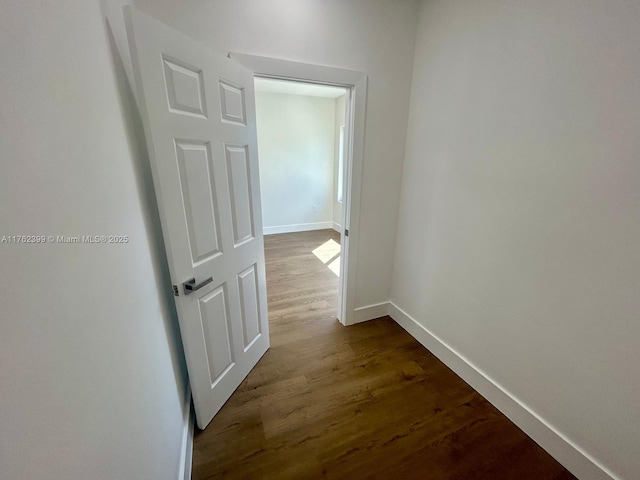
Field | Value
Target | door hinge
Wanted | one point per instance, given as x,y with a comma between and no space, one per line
176,291
346,232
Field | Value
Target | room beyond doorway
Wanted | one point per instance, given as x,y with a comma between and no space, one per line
302,286
302,140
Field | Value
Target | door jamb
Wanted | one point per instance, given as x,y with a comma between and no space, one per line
356,84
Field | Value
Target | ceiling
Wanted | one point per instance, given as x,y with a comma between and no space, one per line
297,88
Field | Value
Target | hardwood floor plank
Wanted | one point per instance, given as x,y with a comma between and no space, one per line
359,402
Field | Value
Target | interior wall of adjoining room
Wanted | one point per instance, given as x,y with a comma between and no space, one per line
296,149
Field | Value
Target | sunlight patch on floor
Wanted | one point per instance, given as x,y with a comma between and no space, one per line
327,251
329,254
335,266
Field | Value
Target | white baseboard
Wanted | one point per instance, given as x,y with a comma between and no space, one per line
369,312
337,227
186,455
575,459
296,227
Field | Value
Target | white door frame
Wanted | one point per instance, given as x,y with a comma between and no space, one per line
356,84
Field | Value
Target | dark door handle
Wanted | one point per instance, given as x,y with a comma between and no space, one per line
190,285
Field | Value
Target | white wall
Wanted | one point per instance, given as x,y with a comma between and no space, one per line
340,112
518,237
91,372
375,37
295,146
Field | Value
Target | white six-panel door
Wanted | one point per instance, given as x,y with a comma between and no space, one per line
199,117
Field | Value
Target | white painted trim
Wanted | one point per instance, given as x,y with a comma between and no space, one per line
574,458
186,454
287,69
296,227
356,83
337,227
369,312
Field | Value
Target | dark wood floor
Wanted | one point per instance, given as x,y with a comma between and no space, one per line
366,401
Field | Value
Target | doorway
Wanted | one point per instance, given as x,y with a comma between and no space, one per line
356,85
301,144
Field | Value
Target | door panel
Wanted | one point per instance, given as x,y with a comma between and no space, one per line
198,110
232,103
196,181
248,285
240,184
185,88
215,320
